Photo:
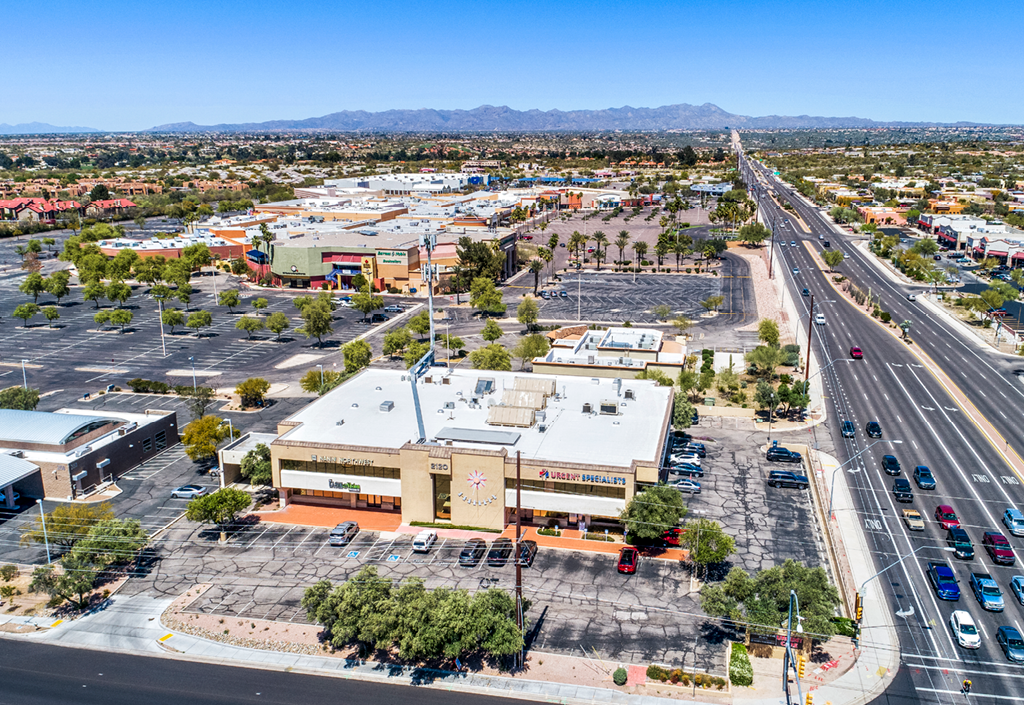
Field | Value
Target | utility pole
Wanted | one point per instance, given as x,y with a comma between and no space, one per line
46,540
163,345
24,376
810,322
193,361
519,560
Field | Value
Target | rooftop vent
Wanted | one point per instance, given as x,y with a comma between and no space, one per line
449,405
588,409
340,422
609,408
386,406
630,394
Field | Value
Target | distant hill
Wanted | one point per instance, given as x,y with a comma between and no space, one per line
488,118
41,128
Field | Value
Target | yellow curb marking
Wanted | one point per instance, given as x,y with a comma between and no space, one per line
165,637
59,621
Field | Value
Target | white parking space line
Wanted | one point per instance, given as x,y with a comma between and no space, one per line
304,538
283,537
258,537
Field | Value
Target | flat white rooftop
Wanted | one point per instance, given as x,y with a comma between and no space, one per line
352,415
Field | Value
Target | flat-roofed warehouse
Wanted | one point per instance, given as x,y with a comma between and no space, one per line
586,445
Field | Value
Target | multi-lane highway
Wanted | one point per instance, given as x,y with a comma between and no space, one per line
892,386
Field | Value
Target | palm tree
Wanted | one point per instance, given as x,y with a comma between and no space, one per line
680,249
536,266
640,248
575,242
601,241
661,249
622,241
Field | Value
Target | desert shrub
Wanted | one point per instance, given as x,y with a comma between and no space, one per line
657,673
620,676
740,670
885,316
675,676
8,572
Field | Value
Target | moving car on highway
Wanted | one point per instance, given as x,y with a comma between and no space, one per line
964,629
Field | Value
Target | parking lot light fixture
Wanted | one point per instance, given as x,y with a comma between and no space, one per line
321,378
42,520
851,458
193,361
24,377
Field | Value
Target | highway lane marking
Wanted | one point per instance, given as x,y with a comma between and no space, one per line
968,670
914,444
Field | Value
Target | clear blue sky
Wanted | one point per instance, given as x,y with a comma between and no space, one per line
121,65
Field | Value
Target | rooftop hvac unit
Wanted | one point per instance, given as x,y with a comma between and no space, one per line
449,405
339,422
541,428
630,394
609,408
588,409
387,406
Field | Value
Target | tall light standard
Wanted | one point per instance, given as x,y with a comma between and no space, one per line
832,485
193,361
948,549
788,656
24,377
42,520
321,378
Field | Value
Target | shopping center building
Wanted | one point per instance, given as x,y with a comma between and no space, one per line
586,445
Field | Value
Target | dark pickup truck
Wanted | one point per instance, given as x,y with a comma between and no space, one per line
944,581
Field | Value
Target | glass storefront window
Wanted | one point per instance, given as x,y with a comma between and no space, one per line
442,496
341,469
568,488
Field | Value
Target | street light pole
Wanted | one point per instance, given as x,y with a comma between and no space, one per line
24,377
790,661
42,519
321,378
193,361
807,367
160,322
832,486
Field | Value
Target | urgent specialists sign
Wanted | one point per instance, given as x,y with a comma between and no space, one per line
581,477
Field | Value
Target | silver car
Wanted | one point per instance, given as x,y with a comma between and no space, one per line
687,485
188,492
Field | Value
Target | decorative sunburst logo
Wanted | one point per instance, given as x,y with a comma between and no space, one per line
476,480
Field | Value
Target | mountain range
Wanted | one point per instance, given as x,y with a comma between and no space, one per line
41,128
488,118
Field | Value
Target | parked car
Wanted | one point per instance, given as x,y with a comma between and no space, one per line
343,533
696,449
998,548
913,519
629,559
527,551
500,551
784,478
424,541
564,294
1013,520
685,470
856,353
379,318
961,543
964,629
924,478
873,429
183,492
1009,639
901,490
783,455
687,485
394,308
945,515
472,551
891,465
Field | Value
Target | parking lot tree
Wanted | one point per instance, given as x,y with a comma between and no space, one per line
682,411
536,267
72,584
316,322
112,541
277,323
358,355
197,399
52,314
140,222
485,298
682,324
768,332
661,312
67,524
26,312
219,508
101,318
121,317
530,347
172,317
753,234
640,250
479,259
197,256
420,324
366,303
326,298
707,543
318,381
249,325
202,436
452,343
414,352
359,282
766,397
239,267
178,273
33,286
833,258
491,357
229,298
253,391
260,304
652,512
57,284
255,466
119,292
395,341
527,313
19,398
199,320
762,601
161,292
925,247
622,242
301,302
491,331
120,267
94,291
765,358
712,303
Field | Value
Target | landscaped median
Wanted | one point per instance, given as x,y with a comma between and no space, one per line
572,540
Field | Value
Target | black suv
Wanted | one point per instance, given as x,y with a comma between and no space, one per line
527,550
500,551
783,455
890,465
472,551
901,490
784,478
874,429
848,429
961,543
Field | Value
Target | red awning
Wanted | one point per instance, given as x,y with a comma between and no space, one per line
357,259
1018,255
996,254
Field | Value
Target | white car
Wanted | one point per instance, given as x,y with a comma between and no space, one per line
424,541
820,319
188,492
676,458
964,629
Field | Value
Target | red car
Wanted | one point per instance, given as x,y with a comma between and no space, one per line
945,515
629,557
998,548
856,353
671,537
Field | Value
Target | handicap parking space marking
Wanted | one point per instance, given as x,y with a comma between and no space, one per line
353,554
393,558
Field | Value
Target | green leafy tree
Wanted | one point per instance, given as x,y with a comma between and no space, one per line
172,317
197,399
420,324
414,352
768,332
94,291
765,397
712,303
395,341
202,436
491,357
33,286
319,381
682,324
358,355
491,331
102,318
121,317
661,312
317,320
252,392
112,541
260,304
119,292
67,524
57,284
765,359
249,325
199,320
366,303
19,398
707,543
219,508
229,298
52,314
255,466
73,584
530,347
277,323
652,512
485,298
753,234
25,312
452,343
833,258
239,267
527,313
